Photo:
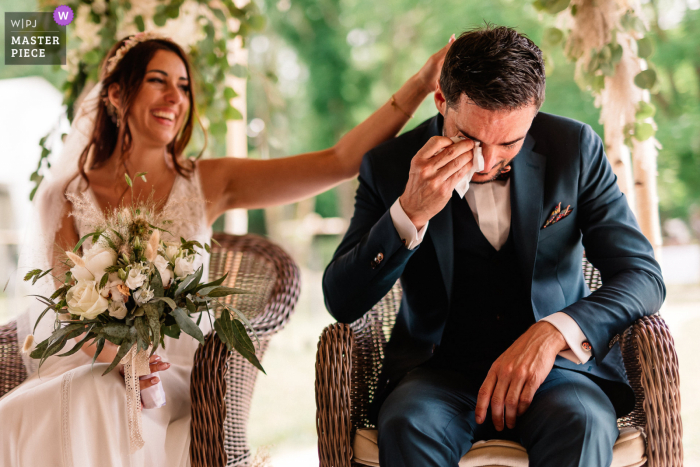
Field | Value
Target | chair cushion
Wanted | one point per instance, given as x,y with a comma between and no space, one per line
629,451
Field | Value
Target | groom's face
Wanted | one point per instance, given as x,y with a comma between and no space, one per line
500,132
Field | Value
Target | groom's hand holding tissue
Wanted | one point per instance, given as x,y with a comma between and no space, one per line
435,171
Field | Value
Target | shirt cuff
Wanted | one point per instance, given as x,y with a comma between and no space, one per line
573,336
410,236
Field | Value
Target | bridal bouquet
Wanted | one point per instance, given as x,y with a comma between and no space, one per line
132,289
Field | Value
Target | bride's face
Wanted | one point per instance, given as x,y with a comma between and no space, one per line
160,107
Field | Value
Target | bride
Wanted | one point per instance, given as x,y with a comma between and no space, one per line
139,118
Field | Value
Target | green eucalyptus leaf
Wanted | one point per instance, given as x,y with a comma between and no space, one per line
171,303
172,331
222,291
187,325
645,79
142,335
124,348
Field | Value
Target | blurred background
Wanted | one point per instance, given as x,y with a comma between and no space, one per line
296,75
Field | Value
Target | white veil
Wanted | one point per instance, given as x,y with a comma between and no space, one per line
38,242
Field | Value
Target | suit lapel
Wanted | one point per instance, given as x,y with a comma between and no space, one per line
526,198
441,233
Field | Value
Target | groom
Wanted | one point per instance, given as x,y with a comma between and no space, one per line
498,335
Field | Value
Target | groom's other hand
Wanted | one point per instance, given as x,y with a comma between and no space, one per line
433,176
515,376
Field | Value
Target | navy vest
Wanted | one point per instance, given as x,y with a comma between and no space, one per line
490,306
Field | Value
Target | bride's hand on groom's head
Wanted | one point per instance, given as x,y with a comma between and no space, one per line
429,74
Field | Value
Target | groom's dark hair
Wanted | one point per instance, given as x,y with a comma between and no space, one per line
496,67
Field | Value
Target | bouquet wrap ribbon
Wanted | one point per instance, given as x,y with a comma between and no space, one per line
135,364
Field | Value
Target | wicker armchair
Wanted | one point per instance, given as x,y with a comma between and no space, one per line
222,383
349,361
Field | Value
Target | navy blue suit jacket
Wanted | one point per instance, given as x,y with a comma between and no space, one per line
561,160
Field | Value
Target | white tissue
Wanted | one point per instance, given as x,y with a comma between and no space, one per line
153,397
463,185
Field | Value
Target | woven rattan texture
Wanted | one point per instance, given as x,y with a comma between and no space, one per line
647,347
222,384
12,370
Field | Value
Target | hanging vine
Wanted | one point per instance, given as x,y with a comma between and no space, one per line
203,28
606,40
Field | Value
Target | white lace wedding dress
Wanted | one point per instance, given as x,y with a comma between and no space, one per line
71,416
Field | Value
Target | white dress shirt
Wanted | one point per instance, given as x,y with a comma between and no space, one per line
490,204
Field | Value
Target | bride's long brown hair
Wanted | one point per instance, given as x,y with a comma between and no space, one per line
129,74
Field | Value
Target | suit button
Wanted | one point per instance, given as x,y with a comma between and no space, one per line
378,259
586,346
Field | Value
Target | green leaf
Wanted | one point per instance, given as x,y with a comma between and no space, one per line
257,22
159,19
79,345
552,36
187,325
138,20
645,79
645,110
219,14
229,92
98,349
191,307
231,113
115,332
123,350
190,282
172,331
645,47
555,6
224,291
616,55
103,281
157,284
153,313
80,242
214,283
171,303
643,131
142,175
128,180
142,336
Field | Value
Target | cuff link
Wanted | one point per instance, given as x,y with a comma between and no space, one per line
377,260
586,346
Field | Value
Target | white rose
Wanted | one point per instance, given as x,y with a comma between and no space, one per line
172,250
117,309
136,278
184,266
84,299
165,273
96,260
143,295
111,289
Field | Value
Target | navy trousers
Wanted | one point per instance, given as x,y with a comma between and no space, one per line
428,420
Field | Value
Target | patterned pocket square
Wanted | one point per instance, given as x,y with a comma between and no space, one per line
557,215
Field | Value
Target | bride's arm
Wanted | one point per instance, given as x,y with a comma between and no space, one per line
246,183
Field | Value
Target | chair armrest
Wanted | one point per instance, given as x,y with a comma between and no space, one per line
12,370
333,395
207,392
652,369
